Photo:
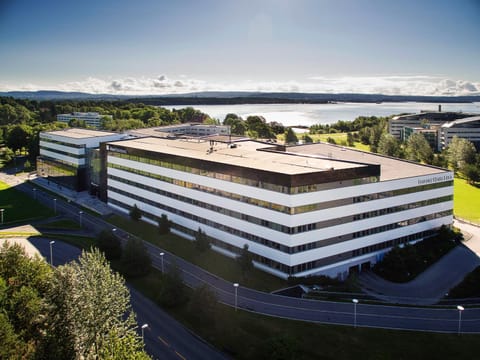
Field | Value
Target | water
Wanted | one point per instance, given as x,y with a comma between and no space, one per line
310,114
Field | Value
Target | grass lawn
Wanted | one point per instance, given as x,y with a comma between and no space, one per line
466,201
82,242
61,224
216,263
20,207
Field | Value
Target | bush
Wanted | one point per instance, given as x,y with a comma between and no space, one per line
135,213
135,260
110,245
404,264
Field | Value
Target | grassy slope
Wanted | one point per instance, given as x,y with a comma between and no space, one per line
20,207
466,201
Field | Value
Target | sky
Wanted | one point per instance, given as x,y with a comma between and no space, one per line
408,47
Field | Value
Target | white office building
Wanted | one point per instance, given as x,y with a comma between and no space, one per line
302,210
92,119
64,155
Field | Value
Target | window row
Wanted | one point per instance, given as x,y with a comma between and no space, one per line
273,225
270,243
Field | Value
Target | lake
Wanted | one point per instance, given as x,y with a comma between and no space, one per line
310,114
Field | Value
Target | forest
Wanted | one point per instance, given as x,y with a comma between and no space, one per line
21,120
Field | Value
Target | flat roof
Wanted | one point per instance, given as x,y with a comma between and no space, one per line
301,159
80,133
390,168
244,154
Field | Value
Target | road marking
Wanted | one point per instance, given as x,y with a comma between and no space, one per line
163,341
180,355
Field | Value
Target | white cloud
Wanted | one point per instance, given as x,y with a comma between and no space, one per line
162,84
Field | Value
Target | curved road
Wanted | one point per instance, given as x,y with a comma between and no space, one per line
390,317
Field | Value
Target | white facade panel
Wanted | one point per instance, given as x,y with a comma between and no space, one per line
53,147
66,158
319,253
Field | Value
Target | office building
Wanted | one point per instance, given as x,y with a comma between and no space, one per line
302,210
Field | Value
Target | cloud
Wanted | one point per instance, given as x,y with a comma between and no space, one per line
162,84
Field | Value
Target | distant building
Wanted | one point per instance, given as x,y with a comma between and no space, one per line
67,157
179,130
430,124
466,128
92,119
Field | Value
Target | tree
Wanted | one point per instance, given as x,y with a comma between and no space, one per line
418,149
110,245
290,136
24,311
245,261
92,313
350,139
164,225
18,137
203,304
172,290
258,128
471,173
135,213
135,260
202,242
461,151
307,139
388,145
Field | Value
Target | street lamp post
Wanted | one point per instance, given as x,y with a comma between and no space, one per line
235,285
51,252
1,212
80,217
460,310
355,302
55,206
144,326
161,258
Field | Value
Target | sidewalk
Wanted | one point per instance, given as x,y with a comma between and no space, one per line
83,198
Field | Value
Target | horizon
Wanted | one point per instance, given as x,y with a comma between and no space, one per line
426,48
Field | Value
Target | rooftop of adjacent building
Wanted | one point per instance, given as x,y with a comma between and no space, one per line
473,121
80,133
301,159
434,116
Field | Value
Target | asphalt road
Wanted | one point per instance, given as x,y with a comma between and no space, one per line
165,338
392,317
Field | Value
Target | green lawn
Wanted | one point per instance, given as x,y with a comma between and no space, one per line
466,201
210,260
20,207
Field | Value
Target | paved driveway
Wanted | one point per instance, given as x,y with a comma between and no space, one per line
430,286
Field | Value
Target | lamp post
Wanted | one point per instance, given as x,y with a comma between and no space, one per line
460,309
34,193
355,302
51,252
161,258
80,217
144,326
235,285
1,212
55,206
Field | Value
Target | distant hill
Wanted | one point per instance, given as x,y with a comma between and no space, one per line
238,97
